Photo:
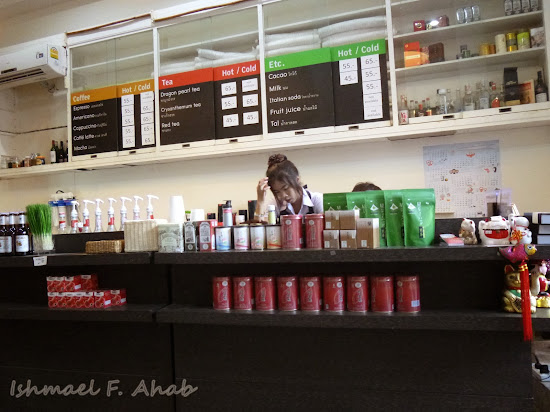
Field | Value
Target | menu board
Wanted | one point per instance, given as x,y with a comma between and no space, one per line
238,100
137,115
360,83
95,120
187,107
299,91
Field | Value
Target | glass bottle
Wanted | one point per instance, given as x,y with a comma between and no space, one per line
458,101
420,112
484,97
494,97
468,99
67,152
475,94
541,90
429,110
501,96
416,108
412,110
3,233
443,104
22,236
403,111
53,153
10,234
61,153
450,102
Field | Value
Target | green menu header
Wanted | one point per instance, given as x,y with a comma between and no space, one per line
291,61
351,51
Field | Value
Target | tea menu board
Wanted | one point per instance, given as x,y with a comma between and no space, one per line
299,91
186,102
137,111
238,100
95,120
360,83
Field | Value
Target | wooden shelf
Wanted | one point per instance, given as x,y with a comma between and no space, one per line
80,259
127,313
470,320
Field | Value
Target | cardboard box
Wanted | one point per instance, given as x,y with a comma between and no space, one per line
368,233
332,219
190,234
348,239
527,92
331,239
89,282
118,297
412,54
72,284
348,219
102,298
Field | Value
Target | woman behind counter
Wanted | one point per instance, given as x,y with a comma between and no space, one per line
283,178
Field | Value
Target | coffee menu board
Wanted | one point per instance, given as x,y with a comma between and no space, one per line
299,91
360,83
237,100
137,115
95,119
186,102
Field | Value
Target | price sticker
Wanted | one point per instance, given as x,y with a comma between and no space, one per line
229,103
40,260
229,88
251,118
368,62
372,87
249,85
230,120
128,110
127,120
250,100
129,131
147,118
127,100
371,74
147,139
147,128
349,78
147,97
373,99
128,137
349,65
147,107
372,112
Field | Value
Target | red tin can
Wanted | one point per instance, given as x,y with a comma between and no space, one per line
291,232
333,291
310,294
357,293
381,293
315,224
221,292
264,289
407,294
243,297
287,292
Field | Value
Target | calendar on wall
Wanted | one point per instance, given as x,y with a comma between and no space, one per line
462,175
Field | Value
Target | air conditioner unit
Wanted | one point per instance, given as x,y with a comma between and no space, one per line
32,64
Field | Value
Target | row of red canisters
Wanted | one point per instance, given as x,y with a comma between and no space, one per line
316,293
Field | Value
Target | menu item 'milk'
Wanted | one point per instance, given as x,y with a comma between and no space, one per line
237,100
299,91
94,121
137,110
187,107
360,83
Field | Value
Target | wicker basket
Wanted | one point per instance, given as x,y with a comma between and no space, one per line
105,246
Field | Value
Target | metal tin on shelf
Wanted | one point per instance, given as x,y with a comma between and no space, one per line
241,238
257,237
273,236
511,42
407,293
315,223
223,238
291,232
357,293
333,293
287,292
310,294
264,291
221,292
243,297
381,294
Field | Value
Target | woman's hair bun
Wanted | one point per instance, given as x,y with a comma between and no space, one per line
275,159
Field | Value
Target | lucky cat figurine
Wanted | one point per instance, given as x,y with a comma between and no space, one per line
468,232
519,230
512,293
494,231
539,284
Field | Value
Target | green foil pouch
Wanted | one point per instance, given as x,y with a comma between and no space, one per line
419,216
335,201
371,205
394,217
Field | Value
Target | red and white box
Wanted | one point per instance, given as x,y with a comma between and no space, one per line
243,298
55,283
102,299
358,293
54,299
86,299
72,284
118,297
264,288
221,292
287,292
70,300
333,290
310,294
207,237
88,282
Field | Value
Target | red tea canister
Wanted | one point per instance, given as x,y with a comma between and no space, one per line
264,289
221,292
381,293
333,292
357,293
243,297
315,223
291,232
310,294
407,294
287,291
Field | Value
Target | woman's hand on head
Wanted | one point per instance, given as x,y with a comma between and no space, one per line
263,187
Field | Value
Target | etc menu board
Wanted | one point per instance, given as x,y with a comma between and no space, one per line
299,91
95,120
187,107
137,111
360,83
237,100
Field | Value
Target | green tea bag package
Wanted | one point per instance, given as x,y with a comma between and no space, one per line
335,201
419,216
394,217
370,204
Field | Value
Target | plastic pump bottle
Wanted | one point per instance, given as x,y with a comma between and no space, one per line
136,207
86,217
111,216
74,217
150,215
227,211
98,224
123,211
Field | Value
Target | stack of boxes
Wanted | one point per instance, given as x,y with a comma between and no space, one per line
344,229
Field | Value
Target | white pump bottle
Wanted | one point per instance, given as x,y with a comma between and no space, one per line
150,215
111,216
86,217
123,211
136,207
74,217
98,223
